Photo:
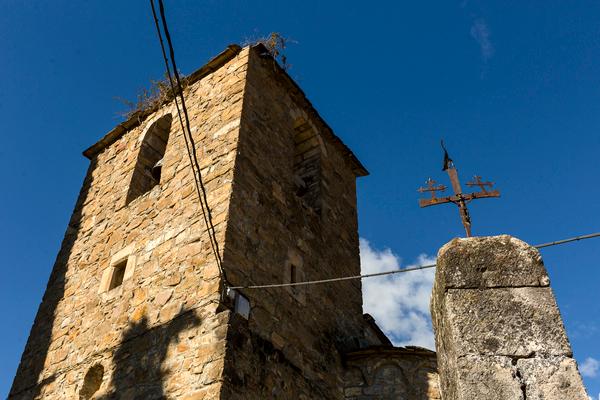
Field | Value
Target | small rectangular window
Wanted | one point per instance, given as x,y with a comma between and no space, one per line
120,269
118,273
293,273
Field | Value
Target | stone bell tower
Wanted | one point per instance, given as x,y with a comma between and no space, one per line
134,307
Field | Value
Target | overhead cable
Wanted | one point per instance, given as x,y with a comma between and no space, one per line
395,271
573,239
201,190
187,133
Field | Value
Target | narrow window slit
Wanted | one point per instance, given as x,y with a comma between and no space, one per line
293,274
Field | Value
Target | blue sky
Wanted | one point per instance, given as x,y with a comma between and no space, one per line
513,87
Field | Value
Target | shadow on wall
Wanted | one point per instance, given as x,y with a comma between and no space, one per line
139,358
139,372
39,341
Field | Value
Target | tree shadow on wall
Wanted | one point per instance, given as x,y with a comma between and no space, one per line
139,372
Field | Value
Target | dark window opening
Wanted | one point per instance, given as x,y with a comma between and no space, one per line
307,166
156,170
293,274
91,382
118,274
148,167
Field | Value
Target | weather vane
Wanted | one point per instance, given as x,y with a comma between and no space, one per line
459,198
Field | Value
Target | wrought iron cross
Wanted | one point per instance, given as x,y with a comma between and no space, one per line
459,198
479,183
432,188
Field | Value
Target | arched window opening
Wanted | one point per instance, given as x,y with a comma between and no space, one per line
148,167
307,165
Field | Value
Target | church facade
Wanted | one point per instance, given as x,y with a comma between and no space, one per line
136,306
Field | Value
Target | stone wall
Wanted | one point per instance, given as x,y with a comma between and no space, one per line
498,331
133,308
300,331
391,373
159,332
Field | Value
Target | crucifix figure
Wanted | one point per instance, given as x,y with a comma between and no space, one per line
459,198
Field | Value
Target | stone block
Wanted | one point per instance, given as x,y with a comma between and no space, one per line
499,333
554,378
484,377
498,261
515,321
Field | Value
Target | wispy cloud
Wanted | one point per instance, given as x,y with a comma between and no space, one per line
399,303
481,33
584,330
589,368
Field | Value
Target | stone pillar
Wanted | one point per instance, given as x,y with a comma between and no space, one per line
498,331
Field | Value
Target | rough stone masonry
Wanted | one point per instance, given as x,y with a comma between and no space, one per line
134,306
498,331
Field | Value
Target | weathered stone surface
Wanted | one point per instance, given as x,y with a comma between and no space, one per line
499,335
498,261
140,327
506,321
273,225
552,378
490,378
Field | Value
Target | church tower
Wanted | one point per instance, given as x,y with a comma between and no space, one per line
135,307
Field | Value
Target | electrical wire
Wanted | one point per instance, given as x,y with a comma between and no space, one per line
201,190
396,271
187,134
189,130
346,278
573,239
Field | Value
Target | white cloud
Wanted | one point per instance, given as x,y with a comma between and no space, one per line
481,33
399,302
589,368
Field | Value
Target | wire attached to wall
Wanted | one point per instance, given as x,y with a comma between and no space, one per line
396,271
190,144
201,190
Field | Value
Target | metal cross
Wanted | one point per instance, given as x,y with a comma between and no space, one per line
432,188
479,183
459,198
